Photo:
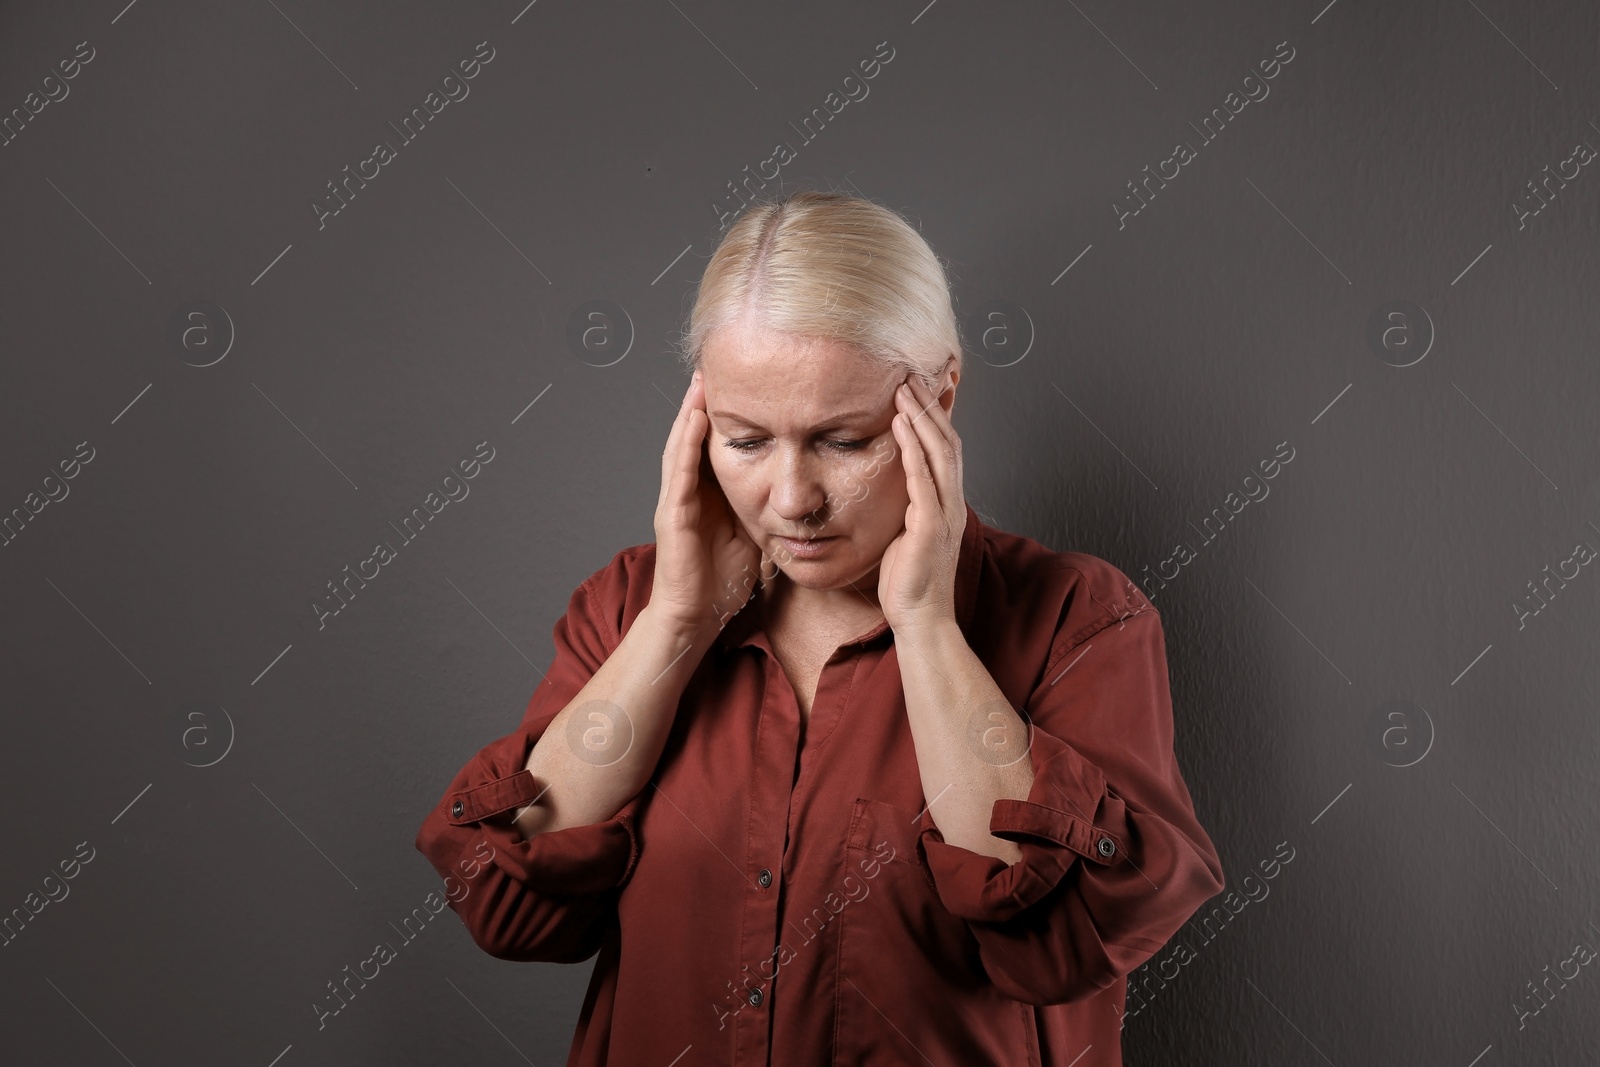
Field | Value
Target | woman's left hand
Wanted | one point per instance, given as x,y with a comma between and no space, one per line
916,580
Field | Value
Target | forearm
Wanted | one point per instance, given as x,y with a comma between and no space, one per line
971,744
591,767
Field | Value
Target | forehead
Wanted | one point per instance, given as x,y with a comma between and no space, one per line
783,381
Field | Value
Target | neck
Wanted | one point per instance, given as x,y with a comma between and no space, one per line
782,600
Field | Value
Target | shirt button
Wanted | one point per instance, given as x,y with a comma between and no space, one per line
1106,847
456,809
755,998
764,879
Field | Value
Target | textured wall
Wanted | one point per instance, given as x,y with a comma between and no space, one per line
223,385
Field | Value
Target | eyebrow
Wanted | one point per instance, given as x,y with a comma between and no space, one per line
836,420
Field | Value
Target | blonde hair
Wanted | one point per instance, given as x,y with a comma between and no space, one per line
829,265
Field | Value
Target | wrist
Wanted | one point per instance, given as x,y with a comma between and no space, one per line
931,631
678,631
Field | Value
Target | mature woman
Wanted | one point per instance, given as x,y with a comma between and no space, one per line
833,772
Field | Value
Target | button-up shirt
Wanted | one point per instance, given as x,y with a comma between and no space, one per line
779,895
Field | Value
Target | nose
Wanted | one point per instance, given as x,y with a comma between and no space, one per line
796,493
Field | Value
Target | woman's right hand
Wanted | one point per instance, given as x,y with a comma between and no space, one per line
706,565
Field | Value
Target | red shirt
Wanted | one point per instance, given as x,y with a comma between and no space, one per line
768,901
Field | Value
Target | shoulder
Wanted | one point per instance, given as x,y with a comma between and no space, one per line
1075,593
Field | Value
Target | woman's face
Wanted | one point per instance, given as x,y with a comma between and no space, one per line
801,445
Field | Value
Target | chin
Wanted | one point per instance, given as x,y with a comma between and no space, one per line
839,569
819,579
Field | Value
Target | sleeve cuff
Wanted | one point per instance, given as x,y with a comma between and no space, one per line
464,806
572,861
1068,815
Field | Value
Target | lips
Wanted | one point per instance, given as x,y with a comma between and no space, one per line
812,548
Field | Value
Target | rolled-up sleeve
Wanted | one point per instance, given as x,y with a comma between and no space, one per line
1113,860
552,897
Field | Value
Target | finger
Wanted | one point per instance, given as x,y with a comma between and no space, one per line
686,475
931,412
940,455
682,461
670,460
669,449
920,485
927,404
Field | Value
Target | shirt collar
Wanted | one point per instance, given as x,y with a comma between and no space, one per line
745,628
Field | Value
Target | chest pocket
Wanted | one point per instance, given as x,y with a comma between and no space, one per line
911,983
881,834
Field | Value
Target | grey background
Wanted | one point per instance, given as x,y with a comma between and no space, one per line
370,356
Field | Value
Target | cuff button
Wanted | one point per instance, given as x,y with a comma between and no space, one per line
1106,847
456,809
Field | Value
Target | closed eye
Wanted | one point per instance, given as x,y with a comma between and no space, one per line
750,444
